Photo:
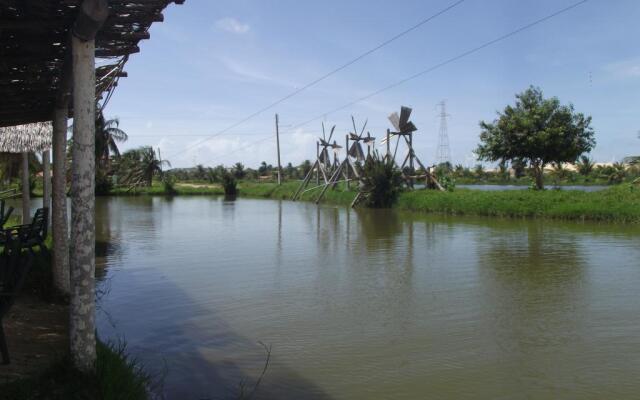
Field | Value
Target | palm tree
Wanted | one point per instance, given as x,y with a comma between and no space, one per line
108,134
238,170
140,165
585,166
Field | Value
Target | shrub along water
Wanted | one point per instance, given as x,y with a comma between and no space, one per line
381,182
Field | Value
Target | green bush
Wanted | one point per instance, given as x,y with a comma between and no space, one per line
229,184
381,182
169,185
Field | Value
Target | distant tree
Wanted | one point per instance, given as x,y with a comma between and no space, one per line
616,173
458,170
585,166
537,130
264,169
478,170
305,167
201,172
238,170
290,171
519,167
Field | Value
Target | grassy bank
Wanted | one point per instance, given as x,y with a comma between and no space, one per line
619,203
117,377
41,314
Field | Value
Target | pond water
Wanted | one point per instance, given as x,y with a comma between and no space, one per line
368,304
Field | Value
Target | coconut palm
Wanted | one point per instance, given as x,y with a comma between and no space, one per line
108,135
140,165
585,166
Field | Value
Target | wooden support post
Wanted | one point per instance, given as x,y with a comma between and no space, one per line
26,198
46,180
278,145
318,163
347,159
91,16
60,253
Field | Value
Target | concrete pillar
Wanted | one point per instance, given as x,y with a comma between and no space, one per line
82,246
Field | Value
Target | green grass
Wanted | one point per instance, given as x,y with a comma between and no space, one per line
117,377
620,203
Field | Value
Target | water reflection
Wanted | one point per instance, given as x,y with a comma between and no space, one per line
370,304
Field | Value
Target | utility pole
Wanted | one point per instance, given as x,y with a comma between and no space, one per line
278,146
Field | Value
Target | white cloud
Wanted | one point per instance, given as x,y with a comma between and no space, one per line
627,69
232,25
247,73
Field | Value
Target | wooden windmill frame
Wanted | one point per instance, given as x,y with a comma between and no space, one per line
324,165
404,129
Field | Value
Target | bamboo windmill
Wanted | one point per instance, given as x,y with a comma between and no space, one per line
325,165
355,151
404,129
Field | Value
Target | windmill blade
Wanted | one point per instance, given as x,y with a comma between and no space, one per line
324,156
333,128
355,130
364,126
356,151
324,143
353,136
360,156
405,113
395,121
369,139
409,127
323,135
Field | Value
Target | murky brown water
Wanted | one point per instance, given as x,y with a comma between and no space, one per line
369,304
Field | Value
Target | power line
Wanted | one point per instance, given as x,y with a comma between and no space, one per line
442,64
328,74
425,71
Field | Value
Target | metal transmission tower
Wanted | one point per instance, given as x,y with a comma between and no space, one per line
443,153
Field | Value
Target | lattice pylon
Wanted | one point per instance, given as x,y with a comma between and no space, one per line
443,152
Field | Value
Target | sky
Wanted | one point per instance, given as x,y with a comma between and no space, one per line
211,64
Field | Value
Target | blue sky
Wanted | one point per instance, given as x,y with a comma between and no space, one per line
212,63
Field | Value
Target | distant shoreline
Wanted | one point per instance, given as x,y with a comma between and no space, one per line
619,203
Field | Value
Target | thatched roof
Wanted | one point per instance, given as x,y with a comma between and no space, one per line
28,138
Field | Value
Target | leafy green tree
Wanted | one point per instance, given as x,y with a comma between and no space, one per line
537,130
